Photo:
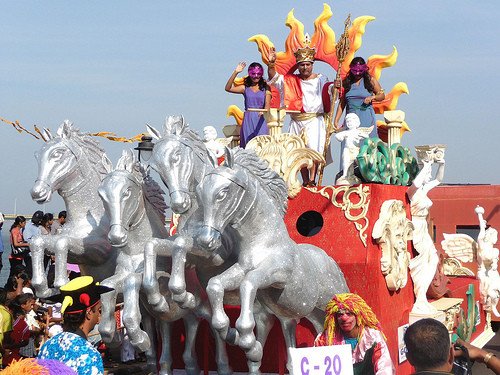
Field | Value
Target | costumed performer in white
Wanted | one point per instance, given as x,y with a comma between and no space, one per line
303,92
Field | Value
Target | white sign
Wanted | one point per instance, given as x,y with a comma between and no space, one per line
324,360
401,343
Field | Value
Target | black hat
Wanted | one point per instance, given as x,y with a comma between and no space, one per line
80,293
37,217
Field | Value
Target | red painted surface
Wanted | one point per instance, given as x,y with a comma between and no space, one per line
454,206
340,238
361,265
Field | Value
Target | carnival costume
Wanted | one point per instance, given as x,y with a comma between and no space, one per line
308,97
73,349
253,123
355,104
370,353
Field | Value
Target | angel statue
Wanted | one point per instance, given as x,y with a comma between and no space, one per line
423,266
487,259
214,144
351,139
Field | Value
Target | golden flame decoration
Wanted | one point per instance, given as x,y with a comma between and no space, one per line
323,40
391,99
237,113
108,135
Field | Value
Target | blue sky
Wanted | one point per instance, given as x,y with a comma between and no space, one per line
115,65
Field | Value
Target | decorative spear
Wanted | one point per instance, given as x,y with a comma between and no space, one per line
341,49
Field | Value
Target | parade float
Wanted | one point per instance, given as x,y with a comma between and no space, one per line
372,230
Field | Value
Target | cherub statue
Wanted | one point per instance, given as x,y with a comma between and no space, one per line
214,144
350,149
487,259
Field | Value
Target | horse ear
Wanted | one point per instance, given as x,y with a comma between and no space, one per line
229,157
180,125
126,161
47,134
213,159
64,130
174,125
153,132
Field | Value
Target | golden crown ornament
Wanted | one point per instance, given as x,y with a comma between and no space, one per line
305,53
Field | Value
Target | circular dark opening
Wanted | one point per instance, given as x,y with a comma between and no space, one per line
309,223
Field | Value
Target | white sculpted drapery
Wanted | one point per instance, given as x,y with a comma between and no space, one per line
423,266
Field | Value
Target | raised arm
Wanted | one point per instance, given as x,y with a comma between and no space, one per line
271,66
482,224
230,87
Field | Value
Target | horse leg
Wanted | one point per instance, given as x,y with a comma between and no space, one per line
131,314
152,249
177,283
107,325
289,326
264,322
228,280
262,277
149,325
39,279
221,359
317,319
191,324
166,353
62,247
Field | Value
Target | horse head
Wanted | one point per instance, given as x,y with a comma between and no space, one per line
222,194
122,196
175,157
63,163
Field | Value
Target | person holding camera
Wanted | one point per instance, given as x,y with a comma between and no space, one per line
429,350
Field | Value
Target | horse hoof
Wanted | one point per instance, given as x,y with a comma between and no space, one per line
224,369
143,343
192,370
232,337
46,293
189,302
247,342
255,354
162,306
60,282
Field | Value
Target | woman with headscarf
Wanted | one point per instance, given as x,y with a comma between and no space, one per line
349,320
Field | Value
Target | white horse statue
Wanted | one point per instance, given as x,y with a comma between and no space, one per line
72,164
136,209
292,280
181,159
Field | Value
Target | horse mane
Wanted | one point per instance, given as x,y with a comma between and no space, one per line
90,147
154,194
270,181
198,144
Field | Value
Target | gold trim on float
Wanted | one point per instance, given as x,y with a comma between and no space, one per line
360,221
